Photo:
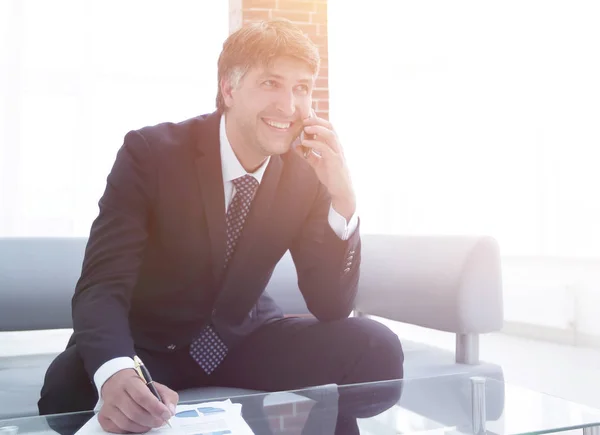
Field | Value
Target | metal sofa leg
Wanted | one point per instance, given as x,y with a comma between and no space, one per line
467,349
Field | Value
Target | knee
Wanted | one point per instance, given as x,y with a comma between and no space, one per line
381,351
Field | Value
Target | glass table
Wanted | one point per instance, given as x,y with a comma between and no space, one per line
445,405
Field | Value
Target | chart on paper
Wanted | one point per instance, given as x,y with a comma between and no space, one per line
212,418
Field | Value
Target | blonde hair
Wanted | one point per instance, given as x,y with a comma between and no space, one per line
258,44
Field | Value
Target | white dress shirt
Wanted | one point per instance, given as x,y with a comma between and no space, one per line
231,169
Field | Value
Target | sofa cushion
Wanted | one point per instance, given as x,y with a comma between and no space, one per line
21,379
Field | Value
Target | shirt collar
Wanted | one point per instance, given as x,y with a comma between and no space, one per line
230,165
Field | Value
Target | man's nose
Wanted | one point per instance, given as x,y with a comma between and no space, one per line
286,103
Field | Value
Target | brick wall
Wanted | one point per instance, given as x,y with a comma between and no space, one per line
310,15
288,418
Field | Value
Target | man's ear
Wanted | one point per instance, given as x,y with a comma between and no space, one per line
226,91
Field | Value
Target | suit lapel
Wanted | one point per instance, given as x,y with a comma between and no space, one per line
210,177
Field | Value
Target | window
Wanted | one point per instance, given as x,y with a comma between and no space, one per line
472,117
76,77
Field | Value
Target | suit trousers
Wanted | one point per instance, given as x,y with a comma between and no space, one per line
287,354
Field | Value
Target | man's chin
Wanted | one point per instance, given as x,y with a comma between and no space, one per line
278,148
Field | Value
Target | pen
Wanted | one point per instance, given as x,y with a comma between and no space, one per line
143,373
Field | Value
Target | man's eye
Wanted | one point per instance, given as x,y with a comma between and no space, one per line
269,83
303,88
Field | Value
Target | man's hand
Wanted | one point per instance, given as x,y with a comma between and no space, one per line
129,406
330,165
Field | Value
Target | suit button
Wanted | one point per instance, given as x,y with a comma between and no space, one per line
350,257
171,347
349,264
352,252
346,270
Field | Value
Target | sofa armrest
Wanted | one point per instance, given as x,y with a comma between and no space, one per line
449,283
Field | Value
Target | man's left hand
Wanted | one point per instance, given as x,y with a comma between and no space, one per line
330,164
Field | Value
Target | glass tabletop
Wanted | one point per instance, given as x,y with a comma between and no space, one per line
453,404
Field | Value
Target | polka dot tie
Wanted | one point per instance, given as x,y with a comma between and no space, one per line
245,188
208,350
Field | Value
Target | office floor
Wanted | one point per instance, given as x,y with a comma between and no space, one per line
560,370
564,371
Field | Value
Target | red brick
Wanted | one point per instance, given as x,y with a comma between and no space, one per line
321,29
256,14
318,18
275,423
323,52
321,8
322,114
321,82
319,39
303,406
309,29
320,94
295,421
323,105
263,4
281,409
304,6
296,17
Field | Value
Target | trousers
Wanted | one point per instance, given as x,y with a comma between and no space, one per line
290,353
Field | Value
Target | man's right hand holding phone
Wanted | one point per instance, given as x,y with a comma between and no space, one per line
326,157
129,406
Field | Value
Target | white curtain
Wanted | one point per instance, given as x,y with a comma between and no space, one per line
470,117
75,77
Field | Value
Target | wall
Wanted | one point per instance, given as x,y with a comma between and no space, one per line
552,298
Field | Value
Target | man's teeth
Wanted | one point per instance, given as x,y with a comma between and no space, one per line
282,125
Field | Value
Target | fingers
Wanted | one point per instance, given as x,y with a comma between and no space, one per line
141,395
169,397
108,425
315,120
324,134
130,406
112,419
307,112
312,159
134,412
322,148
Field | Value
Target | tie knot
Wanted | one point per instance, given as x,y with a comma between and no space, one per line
245,185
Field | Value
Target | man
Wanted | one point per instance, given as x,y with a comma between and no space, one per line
194,218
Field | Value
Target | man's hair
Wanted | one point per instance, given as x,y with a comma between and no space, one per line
259,43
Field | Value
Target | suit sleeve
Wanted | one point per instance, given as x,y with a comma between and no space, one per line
113,257
328,267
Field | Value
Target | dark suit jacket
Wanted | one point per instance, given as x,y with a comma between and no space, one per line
153,270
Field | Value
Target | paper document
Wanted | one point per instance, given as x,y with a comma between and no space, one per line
210,418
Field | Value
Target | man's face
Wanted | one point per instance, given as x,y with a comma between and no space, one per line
266,108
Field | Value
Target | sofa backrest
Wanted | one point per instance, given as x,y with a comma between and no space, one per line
37,281
38,278
450,283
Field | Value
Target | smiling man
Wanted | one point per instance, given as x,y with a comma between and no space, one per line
194,218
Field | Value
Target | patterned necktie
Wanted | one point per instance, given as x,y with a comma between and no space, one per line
245,187
208,350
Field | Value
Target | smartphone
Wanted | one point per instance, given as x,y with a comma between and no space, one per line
306,150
